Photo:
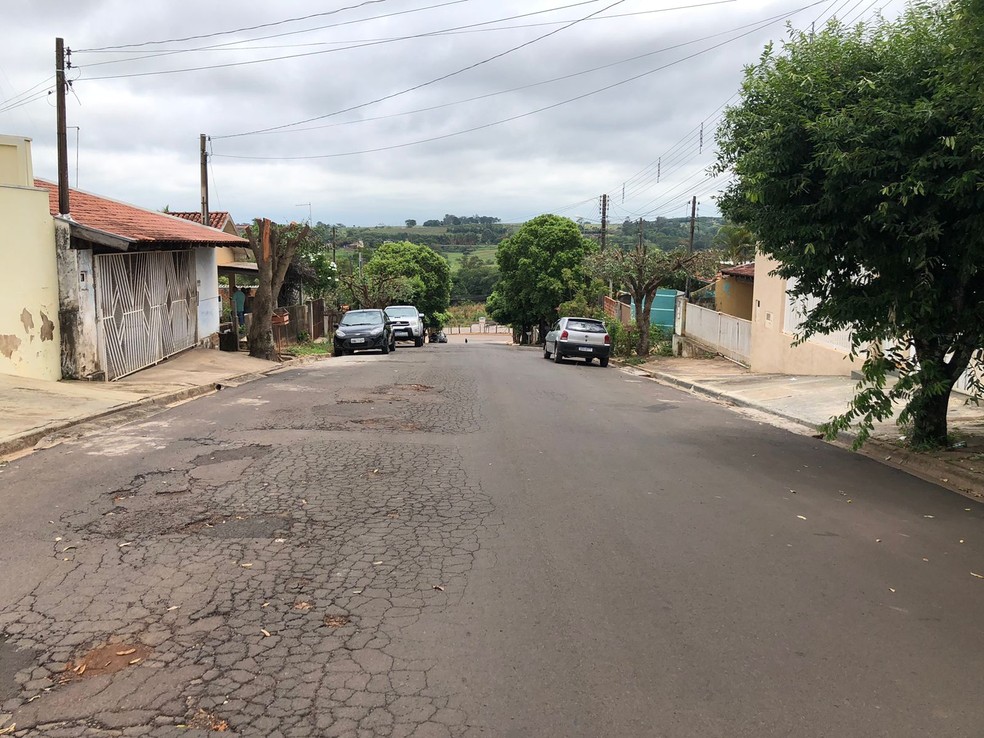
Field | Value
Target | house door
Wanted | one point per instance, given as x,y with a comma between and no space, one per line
147,308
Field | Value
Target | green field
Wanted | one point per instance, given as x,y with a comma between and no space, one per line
486,253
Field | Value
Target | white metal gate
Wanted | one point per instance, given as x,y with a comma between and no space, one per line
147,306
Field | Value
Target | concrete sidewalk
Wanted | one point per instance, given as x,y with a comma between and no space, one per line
32,409
809,401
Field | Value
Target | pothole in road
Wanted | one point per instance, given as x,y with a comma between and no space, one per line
170,482
386,424
12,660
239,526
365,401
232,454
108,659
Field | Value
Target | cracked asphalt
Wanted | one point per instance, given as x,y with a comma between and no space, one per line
465,540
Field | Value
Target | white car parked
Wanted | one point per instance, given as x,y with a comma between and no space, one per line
580,338
408,323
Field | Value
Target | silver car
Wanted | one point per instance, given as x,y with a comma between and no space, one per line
581,338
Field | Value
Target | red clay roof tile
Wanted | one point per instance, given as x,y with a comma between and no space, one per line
130,221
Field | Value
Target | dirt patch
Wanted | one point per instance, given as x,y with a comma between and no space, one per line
205,720
354,402
108,659
336,621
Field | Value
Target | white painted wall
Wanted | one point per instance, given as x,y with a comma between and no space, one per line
209,304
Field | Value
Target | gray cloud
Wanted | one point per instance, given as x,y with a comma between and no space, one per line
139,135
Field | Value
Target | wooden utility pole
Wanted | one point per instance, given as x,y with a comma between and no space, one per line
690,248
62,130
604,221
204,177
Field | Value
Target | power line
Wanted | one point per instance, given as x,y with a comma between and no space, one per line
430,82
238,30
328,51
511,118
531,85
226,46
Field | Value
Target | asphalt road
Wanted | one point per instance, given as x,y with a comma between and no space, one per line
465,540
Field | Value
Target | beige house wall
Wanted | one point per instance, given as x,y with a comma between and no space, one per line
772,350
29,334
733,296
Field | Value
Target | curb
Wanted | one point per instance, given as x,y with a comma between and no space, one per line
937,471
31,438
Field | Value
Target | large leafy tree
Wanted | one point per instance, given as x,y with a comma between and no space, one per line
427,272
858,156
540,266
642,271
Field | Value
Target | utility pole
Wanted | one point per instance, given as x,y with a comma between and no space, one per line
642,241
604,221
204,177
690,248
62,129
333,246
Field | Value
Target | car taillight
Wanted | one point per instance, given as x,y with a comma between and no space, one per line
563,336
608,339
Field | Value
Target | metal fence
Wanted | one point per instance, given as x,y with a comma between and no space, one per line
727,335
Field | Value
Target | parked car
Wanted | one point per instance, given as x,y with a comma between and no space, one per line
582,338
408,323
438,337
362,330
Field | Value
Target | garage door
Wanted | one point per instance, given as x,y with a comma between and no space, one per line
147,307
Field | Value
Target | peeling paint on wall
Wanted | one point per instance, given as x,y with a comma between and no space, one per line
8,345
47,328
27,319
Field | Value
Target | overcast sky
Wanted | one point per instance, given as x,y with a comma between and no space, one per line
669,65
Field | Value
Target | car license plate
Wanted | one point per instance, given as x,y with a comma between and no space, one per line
358,340
585,348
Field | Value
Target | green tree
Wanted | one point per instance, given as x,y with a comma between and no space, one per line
642,271
736,243
540,266
410,222
428,273
859,163
474,279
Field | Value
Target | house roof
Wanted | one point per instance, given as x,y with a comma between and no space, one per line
741,270
92,215
216,219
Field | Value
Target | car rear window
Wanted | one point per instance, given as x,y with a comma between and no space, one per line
401,312
588,326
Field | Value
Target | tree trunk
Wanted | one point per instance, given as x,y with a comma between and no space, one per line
931,398
261,344
644,304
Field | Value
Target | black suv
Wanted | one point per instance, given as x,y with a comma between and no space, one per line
362,330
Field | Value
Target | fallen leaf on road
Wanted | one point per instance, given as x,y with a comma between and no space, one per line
265,604
356,591
124,545
58,539
961,540
878,540
265,632
278,540
930,516
246,566
801,517
80,670
303,502
377,563
975,574
302,605
68,548
375,471
890,589
925,559
9,729
173,607
135,661
126,652
438,587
